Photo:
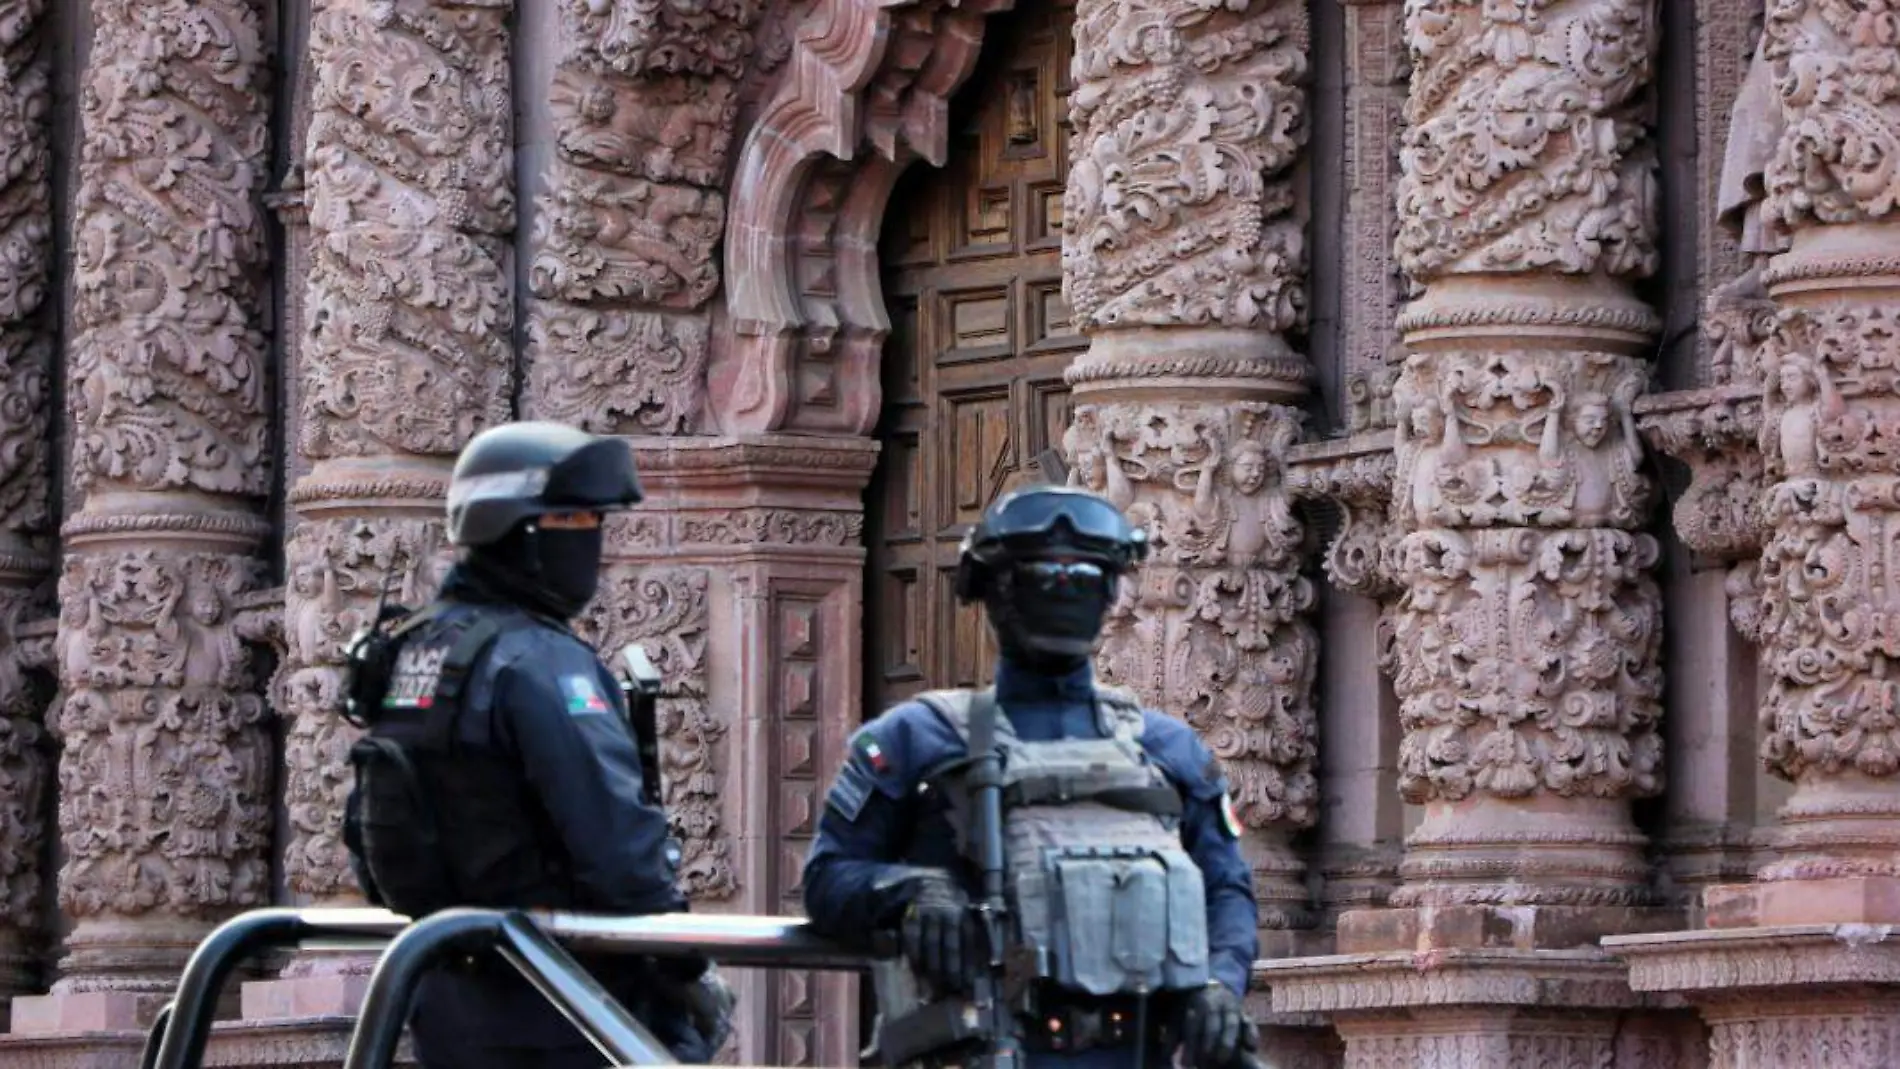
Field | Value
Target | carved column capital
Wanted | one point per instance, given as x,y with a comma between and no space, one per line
1714,432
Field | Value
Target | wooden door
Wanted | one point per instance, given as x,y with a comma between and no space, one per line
980,336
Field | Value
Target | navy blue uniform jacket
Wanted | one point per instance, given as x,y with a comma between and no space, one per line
542,696
874,819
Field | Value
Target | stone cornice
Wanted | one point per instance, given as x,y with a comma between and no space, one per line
1732,960
1347,983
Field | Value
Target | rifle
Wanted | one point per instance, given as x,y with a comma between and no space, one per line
979,1031
641,686
994,1005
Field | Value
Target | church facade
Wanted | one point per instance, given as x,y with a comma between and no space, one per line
1500,382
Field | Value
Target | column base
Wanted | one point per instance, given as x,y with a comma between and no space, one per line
1426,929
1839,900
1485,1009
1814,996
69,1012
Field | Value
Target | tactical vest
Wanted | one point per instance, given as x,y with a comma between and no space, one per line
437,822
1105,898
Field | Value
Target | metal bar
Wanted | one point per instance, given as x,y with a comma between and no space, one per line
182,1034
392,987
148,1055
589,1007
737,941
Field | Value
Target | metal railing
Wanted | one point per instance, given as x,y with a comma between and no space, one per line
536,944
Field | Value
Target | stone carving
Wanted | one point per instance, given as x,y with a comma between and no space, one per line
1512,437
1215,630
22,774
1524,147
409,299
1822,579
338,570
26,249
1358,480
805,313
1714,433
626,239
1531,666
168,362
660,36
1526,634
644,101
165,774
1214,627
1837,75
665,611
1178,209
612,370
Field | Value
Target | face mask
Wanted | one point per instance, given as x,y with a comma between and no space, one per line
1048,614
553,572
569,567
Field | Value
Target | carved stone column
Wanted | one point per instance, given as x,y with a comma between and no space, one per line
165,775
26,233
1526,629
1183,262
1798,968
404,356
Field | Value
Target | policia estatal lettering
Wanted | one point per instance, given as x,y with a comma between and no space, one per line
498,769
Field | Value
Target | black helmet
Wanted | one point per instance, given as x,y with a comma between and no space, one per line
1039,521
518,471
1045,562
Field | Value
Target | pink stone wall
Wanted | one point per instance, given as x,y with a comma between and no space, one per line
1507,388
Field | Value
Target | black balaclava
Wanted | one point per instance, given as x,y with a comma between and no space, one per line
1047,615
555,572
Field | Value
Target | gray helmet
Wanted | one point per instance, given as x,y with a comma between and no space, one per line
518,471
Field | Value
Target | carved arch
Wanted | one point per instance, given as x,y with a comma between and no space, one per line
805,312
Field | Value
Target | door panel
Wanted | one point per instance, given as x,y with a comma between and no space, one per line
980,336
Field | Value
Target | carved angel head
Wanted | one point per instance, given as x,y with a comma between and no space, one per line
1591,420
1248,467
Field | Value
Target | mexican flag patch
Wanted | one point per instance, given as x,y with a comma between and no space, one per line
1228,816
874,754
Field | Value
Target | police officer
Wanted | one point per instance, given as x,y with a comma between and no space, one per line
499,770
892,852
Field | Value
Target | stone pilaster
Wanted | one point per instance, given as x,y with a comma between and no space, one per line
165,774
1183,262
26,235
742,576
404,355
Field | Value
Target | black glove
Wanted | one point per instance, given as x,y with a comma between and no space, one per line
939,935
1214,1028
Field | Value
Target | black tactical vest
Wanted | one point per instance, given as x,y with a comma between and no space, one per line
435,821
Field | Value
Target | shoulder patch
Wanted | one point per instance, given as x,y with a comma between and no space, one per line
873,754
412,681
1229,818
849,792
583,696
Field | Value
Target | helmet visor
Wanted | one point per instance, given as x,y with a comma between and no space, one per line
599,475
1080,521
